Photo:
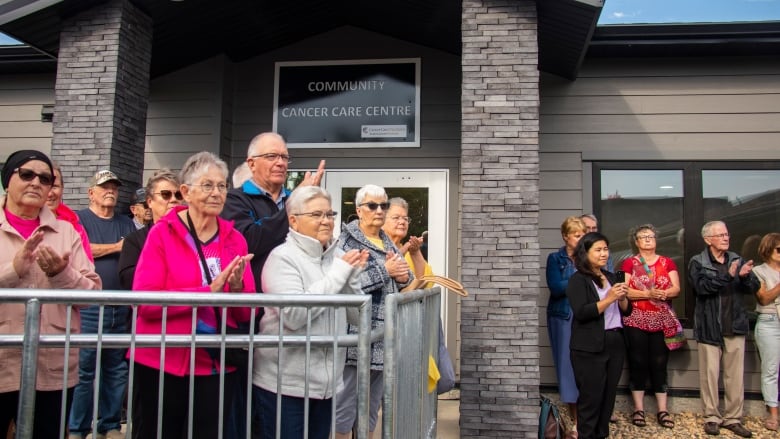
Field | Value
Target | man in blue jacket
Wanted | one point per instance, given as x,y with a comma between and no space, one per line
257,209
719,279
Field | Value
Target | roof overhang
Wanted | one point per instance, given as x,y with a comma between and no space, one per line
696,39
565,30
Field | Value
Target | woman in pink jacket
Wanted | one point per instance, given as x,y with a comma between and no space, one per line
190,249
38,251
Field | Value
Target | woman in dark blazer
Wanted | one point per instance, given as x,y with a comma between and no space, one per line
597,348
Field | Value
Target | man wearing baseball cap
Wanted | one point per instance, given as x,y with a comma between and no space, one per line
106,231
142,215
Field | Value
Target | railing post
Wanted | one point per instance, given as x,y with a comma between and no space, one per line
25,415
364,370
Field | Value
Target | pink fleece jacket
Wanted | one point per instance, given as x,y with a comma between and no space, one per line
168,263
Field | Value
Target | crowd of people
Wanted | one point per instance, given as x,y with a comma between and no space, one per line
596,319
189,232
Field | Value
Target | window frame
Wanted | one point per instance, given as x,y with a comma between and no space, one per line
693,203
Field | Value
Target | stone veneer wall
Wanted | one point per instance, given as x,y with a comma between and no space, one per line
101,96
500,219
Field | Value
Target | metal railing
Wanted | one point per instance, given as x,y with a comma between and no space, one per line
410,337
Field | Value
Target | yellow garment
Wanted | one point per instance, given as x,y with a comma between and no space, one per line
433,374
428,269
377,242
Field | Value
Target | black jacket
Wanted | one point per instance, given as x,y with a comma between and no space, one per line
708,284
587,327
262,223
128,257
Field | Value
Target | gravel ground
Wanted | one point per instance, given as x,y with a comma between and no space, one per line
686,425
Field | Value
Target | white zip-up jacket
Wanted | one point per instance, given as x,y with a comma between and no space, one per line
302,266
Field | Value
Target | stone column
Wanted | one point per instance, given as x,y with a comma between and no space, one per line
101,96
500,219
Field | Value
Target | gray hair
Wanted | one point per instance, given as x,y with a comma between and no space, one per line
199,164
369,189
255,142
705,229
241,174
302,195
160,175
590,216
398,201
632,234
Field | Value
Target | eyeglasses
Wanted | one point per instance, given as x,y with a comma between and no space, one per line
166,195
646,237
146,206
372,205
401,218
719,236
272,157
45,178
319,215
209,187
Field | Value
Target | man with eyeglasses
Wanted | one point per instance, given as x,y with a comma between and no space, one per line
257,210
720,278
106,231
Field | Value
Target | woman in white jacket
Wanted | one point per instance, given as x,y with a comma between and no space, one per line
307,263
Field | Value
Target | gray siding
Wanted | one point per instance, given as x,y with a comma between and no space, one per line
650,109
21,100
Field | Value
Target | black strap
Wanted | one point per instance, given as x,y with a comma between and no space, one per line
206,271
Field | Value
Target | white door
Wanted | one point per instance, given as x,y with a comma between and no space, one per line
424,190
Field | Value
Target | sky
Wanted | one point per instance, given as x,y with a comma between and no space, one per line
665,11
688,11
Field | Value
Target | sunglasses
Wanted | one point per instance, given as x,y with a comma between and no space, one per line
166,195
372,205
45,178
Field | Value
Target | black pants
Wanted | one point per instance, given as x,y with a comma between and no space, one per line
647,357
597,375
175,404
48,405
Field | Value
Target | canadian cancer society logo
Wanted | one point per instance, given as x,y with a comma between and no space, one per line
383,131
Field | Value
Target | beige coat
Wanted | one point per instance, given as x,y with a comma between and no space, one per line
80,274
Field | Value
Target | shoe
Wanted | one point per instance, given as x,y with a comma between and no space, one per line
613,419
770,424
738,429
665,419
712,428
638,418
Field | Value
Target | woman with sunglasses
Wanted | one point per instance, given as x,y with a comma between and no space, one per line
386,273
653,281
309,262
162,195
39,251
768,323
190,249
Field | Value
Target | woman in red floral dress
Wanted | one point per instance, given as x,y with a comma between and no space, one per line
653,281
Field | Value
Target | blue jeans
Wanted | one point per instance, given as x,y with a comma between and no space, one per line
292,415
113,374
767,336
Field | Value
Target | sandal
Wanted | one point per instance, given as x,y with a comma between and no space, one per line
638,418
665,420
770,424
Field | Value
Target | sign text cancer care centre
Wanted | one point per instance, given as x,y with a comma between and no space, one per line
348,104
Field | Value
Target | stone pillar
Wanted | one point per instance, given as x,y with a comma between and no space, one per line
101,96
500,219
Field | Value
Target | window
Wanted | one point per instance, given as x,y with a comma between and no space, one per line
678,198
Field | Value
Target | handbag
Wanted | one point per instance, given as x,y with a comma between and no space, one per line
550,422
446,370
677,340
